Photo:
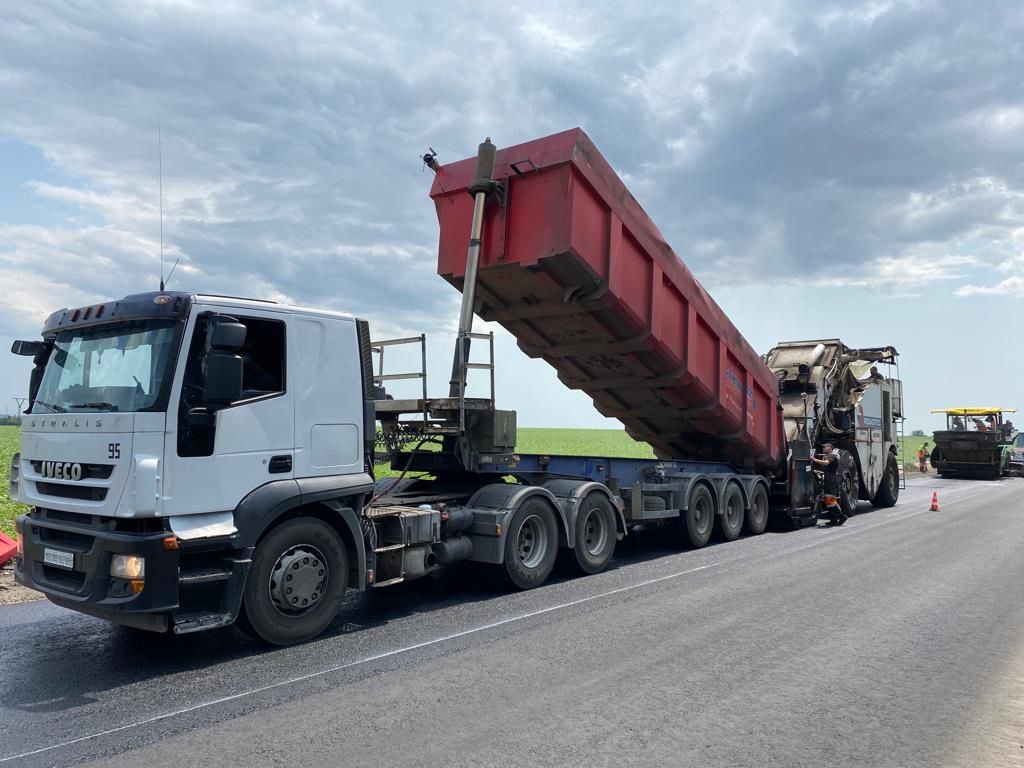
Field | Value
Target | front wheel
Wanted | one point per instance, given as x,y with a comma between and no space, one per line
848,494
296,582
889,490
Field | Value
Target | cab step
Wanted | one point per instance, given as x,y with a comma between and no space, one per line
196,622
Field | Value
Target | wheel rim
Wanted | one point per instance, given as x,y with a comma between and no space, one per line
702,515
734,512
892,482
298,580
760,507
595,532
532,541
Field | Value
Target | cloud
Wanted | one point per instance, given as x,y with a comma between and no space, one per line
873,145
1011,286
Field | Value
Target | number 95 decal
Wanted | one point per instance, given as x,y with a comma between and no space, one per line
113,450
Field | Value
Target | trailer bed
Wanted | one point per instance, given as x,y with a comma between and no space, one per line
572,266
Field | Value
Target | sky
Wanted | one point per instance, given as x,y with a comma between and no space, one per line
825,169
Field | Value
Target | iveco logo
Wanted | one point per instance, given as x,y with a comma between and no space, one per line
61,470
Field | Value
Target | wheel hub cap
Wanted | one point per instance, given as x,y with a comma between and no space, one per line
298,579
531,542
595,533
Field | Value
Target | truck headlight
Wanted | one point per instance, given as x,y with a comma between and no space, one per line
128,567
15,475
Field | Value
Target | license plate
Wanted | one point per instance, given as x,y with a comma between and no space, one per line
58,558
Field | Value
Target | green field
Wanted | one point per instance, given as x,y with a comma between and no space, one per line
578,442
8,509
908,448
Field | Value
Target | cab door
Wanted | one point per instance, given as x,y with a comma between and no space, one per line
249,442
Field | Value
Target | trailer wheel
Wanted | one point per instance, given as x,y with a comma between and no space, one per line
595,534
757,515
699,519
296,582
889,490
531,544
730,522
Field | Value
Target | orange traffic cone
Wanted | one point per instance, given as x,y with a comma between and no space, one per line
935,502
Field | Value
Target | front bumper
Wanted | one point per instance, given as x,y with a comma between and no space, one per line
88,586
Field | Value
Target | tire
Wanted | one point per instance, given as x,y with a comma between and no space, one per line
848,495
698,521
849,483
595,534
296,548
729,523
531,544
757,515
889,491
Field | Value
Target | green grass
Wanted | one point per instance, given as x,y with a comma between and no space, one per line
907,453
605,443
613,443
9,439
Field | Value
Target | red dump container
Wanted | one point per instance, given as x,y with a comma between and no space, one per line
577,272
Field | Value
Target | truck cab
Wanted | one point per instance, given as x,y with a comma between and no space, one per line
167,432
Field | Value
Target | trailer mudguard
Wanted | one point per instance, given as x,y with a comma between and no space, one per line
570,494
505,498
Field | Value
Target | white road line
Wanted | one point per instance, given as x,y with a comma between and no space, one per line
351,664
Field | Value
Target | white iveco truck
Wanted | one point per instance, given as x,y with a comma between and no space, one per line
193,460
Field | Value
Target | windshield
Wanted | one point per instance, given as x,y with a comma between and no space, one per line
119,367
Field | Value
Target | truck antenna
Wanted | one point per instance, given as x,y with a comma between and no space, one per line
173,267
160,160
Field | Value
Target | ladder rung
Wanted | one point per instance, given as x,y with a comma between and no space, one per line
389,582
394,342
389,548
480,366
396,376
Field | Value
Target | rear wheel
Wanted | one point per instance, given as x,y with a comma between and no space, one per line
730,522
296,582
757,515
889,490
595,534
698,520
531,544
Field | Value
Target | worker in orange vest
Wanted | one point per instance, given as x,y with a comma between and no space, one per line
922,457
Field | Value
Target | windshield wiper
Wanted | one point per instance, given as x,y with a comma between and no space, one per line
96,406
53,408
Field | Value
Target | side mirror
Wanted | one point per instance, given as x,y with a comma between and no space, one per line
27,348
223,377
227,336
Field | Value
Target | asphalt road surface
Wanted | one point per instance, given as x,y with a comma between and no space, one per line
897,640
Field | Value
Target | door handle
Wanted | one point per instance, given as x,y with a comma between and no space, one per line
279,464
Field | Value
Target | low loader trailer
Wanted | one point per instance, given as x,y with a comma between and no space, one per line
192,461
